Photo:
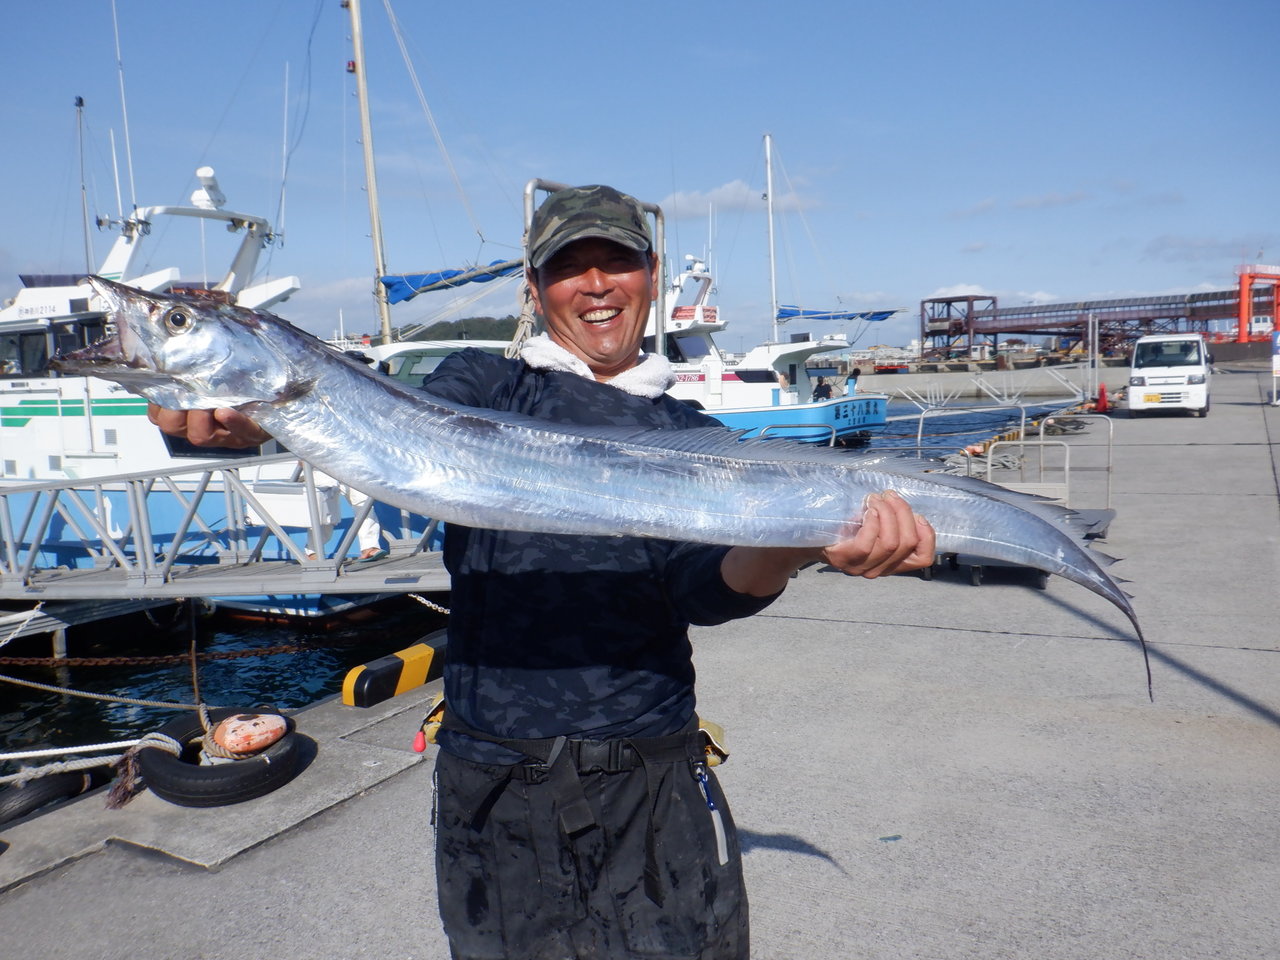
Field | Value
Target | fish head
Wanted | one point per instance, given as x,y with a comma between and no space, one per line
183,352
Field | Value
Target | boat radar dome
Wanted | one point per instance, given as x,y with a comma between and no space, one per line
208,197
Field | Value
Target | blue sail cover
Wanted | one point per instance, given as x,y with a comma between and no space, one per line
786,312
407,286
795,313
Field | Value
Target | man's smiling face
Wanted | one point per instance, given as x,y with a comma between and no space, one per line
594,295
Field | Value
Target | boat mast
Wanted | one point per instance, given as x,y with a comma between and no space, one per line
84,196
768,196
370,177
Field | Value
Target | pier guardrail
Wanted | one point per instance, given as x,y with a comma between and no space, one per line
240,527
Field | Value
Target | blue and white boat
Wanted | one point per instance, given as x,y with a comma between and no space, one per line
769,388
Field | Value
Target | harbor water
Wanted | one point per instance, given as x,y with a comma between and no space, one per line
288,666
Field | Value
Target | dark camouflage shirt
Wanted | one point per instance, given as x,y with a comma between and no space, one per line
576,635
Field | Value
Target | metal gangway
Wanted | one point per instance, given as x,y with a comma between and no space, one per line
249,526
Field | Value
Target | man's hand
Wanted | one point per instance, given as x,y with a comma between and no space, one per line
891,539
223,427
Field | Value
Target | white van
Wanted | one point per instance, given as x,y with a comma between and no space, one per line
1169,372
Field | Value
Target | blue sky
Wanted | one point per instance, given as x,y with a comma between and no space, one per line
1033,151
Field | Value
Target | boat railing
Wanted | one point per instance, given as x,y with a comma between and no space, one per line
152,528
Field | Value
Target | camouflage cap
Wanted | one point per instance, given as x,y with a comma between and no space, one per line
576,213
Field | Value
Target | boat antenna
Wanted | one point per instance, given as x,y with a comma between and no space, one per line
124,110
768,196
84,195
284,151
356,66
115,173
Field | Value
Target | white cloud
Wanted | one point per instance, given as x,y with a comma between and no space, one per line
735,195
959,290
1052,199
1003,297
978,209
1180,249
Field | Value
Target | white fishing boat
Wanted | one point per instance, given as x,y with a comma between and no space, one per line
55,427
770,388
767,389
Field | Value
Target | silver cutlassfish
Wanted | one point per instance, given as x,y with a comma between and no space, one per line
487,468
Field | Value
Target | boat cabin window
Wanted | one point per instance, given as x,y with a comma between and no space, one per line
412,367
1167,353
24,354
73,336
687,348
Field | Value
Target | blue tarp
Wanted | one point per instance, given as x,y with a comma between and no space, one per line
408,286
795,313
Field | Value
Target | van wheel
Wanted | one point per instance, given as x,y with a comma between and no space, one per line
1203,411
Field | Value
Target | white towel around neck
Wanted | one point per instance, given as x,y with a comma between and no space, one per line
649,378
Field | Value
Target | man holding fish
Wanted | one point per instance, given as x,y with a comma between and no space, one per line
575,813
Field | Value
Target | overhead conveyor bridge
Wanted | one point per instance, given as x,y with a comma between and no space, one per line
214,530
1239,315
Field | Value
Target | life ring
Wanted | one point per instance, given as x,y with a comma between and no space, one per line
184,781
17,801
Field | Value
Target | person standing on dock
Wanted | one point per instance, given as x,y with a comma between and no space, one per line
576,814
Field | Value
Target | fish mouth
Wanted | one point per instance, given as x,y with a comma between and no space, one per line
109,351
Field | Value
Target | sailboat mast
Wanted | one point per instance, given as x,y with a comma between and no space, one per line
84,196
768,196
370,176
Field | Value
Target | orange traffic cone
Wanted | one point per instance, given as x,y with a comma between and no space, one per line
1102,398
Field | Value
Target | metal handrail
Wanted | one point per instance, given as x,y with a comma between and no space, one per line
69,523
1040,445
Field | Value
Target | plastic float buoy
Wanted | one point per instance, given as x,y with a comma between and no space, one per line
247,733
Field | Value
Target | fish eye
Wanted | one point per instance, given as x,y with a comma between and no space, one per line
178,320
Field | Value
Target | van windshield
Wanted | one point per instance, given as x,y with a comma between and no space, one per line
1167,353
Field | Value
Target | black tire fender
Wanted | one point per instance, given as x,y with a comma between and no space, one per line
183,781
17,801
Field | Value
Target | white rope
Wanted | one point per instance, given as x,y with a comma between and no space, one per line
525,326
27,774
50,688
63,751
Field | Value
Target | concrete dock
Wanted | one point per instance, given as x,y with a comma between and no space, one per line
920,769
